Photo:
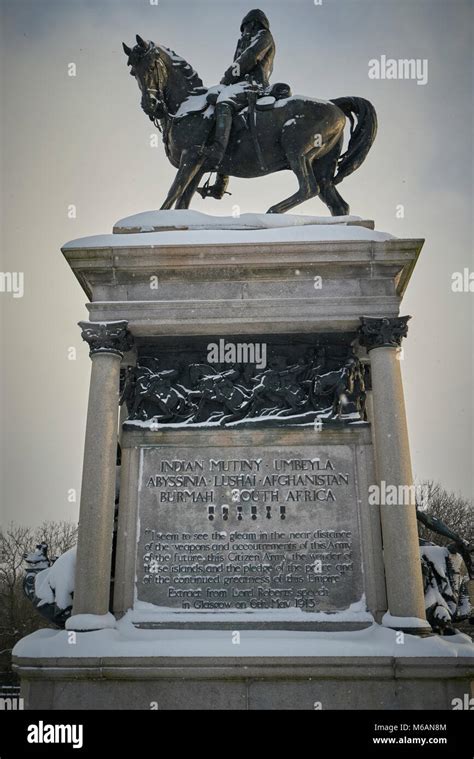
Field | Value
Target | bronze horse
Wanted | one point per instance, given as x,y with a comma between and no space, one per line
298,133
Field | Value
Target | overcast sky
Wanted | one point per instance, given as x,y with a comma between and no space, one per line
83,140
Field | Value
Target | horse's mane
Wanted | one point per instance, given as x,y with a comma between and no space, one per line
184,67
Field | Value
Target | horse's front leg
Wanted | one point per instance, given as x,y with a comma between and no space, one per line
190,164
184,200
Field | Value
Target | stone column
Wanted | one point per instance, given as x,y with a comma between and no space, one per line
108,342
382,337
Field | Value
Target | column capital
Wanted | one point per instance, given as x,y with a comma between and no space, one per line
107,337
385,332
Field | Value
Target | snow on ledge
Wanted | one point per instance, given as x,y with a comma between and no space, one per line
306,233
163,221
144,612
128,641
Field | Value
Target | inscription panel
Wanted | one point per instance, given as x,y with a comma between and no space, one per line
248,528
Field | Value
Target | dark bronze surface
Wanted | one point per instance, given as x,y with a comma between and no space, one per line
298,384
244,127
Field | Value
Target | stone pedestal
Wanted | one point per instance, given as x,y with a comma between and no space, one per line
327,291
283,682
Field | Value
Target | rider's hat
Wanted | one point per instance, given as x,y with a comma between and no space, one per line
255,15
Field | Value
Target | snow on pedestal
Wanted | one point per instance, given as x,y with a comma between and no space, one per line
127,641
156,221
321,233
157,228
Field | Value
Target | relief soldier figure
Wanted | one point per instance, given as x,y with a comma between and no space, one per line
279,385
147,391
341,388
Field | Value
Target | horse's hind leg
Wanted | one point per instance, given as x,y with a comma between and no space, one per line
324,170
308,186
330,196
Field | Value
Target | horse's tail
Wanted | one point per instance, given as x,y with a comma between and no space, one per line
362,134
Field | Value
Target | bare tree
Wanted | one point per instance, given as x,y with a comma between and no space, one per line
17,615
455,511
59,536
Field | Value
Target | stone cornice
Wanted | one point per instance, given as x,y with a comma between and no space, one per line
391,259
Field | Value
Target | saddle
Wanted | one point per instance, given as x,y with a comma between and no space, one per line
278,91
247,116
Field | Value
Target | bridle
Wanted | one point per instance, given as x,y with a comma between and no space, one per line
158,92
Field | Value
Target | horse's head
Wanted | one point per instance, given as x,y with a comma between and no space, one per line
149,70
165,79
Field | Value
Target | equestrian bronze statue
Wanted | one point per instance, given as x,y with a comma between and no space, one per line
245,127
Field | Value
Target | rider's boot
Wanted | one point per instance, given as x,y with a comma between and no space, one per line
215,151
217,190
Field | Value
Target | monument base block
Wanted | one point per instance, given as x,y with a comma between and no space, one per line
234,683
127,668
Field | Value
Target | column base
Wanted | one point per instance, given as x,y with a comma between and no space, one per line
409,625
421,632
91,622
